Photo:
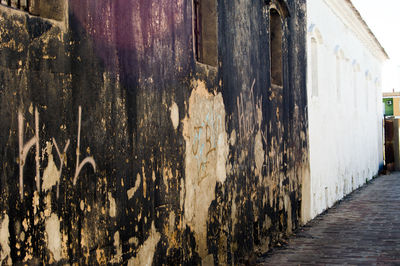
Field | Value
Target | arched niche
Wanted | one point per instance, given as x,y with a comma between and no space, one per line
277,13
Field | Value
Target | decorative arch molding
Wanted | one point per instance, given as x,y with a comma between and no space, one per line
280,6
277,14
377,82
368,75
314,32
356,65
338,52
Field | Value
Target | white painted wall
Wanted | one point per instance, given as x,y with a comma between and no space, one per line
345,114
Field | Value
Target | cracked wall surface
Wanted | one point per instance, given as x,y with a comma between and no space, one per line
118,147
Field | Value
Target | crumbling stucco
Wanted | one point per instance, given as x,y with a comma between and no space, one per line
259,155
53,236
118,248
131,192
174,115
51,175
5,252
205,161
146,251
113,205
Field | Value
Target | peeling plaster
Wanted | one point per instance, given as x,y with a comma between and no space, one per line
53,236
5,253
171,221
234,210
205,161
113,206
131,192
133,241
232,139
146,252
51,175
167,175
118,247
288,210
222,153
181,193
47,201
208,261
35,201
174,115
259,155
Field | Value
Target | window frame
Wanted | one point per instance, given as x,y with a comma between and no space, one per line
204,39
282,11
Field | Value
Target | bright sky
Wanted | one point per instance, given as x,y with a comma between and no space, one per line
382,16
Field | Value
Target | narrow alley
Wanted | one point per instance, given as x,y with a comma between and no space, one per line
364,229
196,132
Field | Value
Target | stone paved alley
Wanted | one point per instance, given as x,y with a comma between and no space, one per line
363,229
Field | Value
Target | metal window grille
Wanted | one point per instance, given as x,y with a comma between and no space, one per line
31,6
18,4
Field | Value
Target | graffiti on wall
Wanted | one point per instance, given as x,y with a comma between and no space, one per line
249,114
205,162
25,147
204,144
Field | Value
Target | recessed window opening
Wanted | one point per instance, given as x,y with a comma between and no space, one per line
367,88
314,66
366,94
355,88
276,35
338,77
356,69
205,31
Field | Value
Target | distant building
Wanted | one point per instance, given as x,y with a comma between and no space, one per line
344,101
391,103
391,110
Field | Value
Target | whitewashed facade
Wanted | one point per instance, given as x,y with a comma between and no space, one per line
344,102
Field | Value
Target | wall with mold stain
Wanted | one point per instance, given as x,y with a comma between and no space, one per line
117,146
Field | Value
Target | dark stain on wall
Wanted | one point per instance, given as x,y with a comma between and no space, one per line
145,155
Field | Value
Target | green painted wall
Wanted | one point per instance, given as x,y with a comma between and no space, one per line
388,102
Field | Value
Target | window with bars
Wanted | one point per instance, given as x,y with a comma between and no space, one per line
205,31
51,9
19,4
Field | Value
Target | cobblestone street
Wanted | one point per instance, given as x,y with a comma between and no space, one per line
363,229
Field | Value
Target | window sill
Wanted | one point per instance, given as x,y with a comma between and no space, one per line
208,72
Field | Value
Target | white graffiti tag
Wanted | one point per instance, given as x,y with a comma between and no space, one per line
62,157
90,160
24,148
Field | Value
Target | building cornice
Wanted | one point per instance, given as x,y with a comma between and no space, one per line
391,95
349,15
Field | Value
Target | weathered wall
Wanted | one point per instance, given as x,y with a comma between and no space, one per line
396,106
117,146
345,111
